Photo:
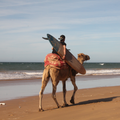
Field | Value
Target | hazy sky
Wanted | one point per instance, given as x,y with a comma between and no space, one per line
91,27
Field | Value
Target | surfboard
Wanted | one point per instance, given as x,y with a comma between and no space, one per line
69,58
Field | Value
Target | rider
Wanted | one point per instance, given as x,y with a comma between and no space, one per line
62,41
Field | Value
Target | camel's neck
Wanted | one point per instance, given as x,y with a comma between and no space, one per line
81,61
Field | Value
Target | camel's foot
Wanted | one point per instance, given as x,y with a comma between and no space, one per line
41,110
65,105
72,101
59,106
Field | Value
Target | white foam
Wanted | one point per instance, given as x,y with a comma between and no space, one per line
38,73
103,72
20,74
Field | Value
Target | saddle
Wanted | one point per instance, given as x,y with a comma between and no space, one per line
55,61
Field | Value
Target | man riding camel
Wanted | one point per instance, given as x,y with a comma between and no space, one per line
62,41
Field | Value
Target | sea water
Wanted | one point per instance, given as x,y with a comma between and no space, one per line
20,70
30,74
32,70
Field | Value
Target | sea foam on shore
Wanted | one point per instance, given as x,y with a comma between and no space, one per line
13,71
35,74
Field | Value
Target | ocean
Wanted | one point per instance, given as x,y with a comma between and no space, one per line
33,70
24,79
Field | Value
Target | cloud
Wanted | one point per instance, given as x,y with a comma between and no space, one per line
11,26
28,16
24,22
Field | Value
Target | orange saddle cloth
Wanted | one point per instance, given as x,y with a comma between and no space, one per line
54,60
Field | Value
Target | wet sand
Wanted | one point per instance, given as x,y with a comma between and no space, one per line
99,103
12,89
90,104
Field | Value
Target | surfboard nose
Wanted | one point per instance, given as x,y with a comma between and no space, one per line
83,71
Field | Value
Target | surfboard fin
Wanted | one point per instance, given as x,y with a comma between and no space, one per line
45,38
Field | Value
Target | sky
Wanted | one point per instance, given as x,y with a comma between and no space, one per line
91,27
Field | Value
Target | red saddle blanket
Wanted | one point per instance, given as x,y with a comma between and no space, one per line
54,60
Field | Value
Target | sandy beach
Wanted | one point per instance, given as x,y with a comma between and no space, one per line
91,104
101,103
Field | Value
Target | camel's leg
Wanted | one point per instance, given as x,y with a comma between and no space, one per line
54,93
54,73
64,93
45,79
75,89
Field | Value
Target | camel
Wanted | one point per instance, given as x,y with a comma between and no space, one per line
57,75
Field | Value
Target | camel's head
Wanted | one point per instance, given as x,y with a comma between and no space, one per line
82,57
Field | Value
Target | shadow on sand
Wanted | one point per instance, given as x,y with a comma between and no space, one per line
96,101
89,102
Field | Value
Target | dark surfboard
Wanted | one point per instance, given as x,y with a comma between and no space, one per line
69,58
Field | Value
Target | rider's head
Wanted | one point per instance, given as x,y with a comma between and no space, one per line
62,38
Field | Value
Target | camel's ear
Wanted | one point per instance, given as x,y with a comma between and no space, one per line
80,54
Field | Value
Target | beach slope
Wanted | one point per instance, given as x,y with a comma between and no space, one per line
91,104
